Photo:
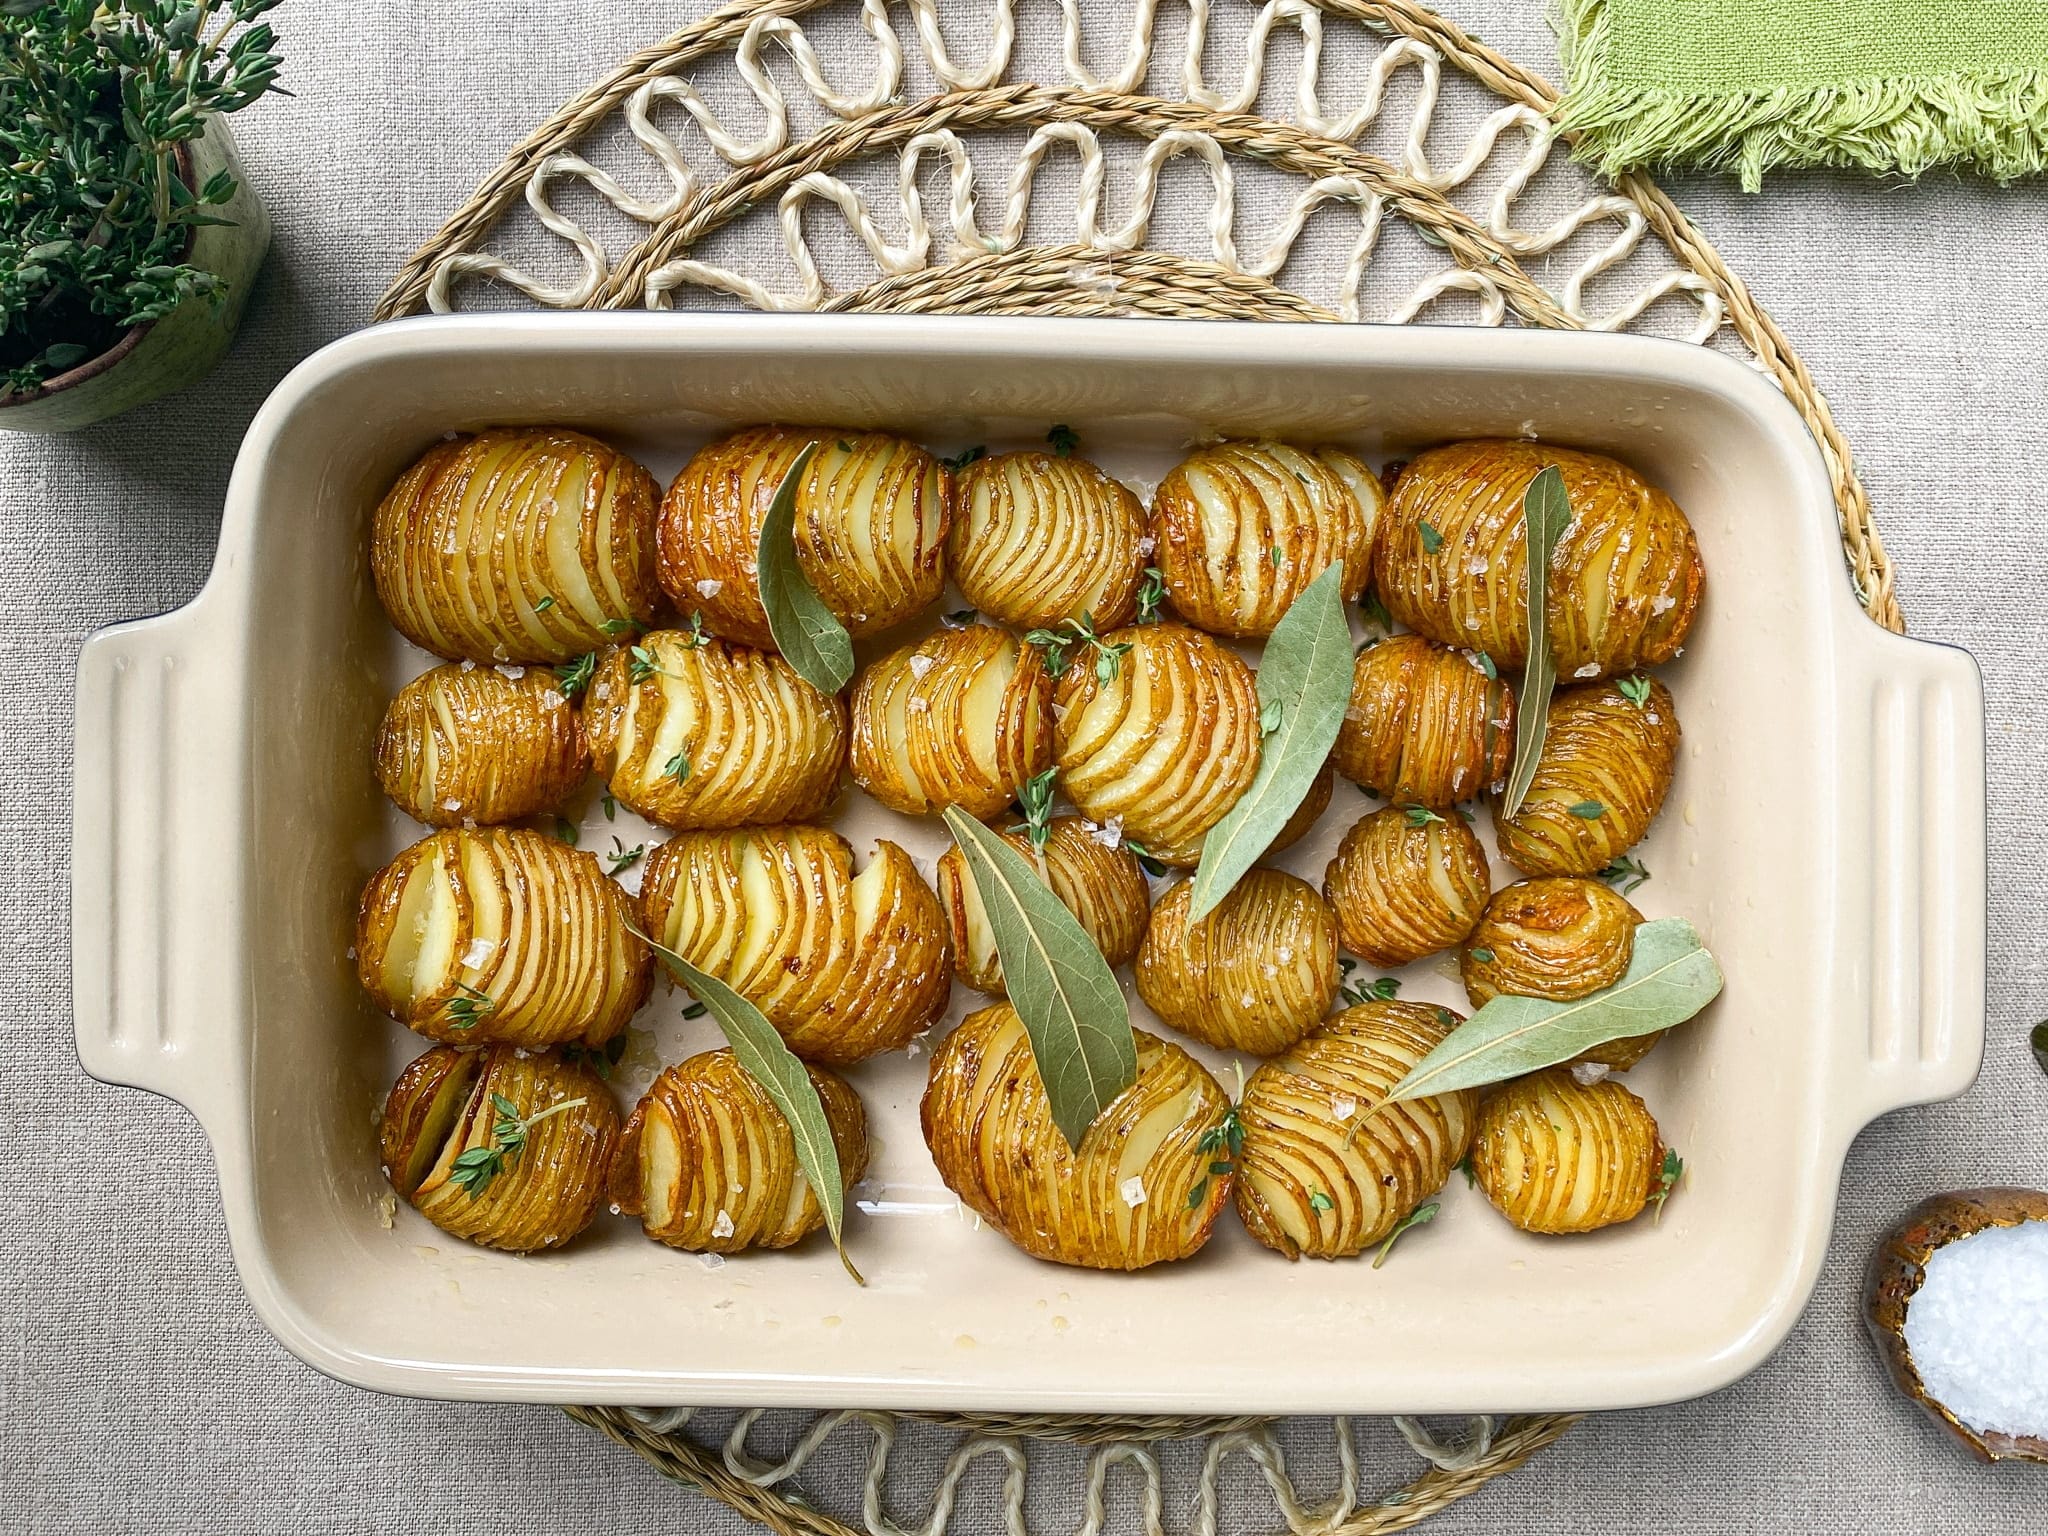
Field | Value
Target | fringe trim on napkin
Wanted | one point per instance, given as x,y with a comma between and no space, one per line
1993,122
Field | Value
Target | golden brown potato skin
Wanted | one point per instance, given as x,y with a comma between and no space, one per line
1425,726
1255,975
843,965
1039,539
1557,938
464,743
1305,1133
707,1142
501,935
871,519
1104,887
1176,686
472,542
1220,515
1557,1156
1598,750
753,743
961,717
1401,891
1625,579
545,1190
991,1133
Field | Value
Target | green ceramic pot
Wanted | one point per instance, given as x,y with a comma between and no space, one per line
168,354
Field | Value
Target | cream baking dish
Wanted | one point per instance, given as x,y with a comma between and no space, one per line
1826,832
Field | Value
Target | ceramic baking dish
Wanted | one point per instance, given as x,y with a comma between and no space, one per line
1826,832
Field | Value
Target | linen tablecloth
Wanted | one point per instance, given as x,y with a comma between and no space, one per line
140,1394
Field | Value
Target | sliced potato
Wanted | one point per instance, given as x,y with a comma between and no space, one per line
519,544
1559,939
1320,1176
1426,726
501,935
468,744
843,965
1555,1155
708,1164
1140,1190
1403,886
1102,884
1039,539
1605,768
1255,975
500,1146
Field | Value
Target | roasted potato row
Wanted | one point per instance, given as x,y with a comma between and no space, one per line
961,717
1166,745
1140,1190
500,1146
843,965
1404,887
708,1164
1241,528
871,519
1600,781
501,935
1318,1179
464,744
1039,539
1556,1155
1425,726
520,544
1625,578
691,732
1098,879
1560,939
1255,975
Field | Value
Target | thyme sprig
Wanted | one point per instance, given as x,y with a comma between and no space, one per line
1224,1143
1034,798
1056,643
469,1007
474,1169
1421,1216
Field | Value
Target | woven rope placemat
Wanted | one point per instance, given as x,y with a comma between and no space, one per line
740,119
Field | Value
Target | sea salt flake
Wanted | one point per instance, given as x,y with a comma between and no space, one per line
1590,669
468,666
1587,1073
1472,623
1978,1328
920,706
514,673
478,952
722,1226
1147,544
1343,1106
552,700
1133,1191
451,804
1110,834
1663,604
711,1260
919,665
710,586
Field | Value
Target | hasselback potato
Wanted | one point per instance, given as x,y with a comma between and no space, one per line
500,1146
708,1164
1403,886
501,935
1560,939
519,544
871,518
467,744
1255,975
1242,528
1600,780
962,717
1555,1155
1039,539
1625,578
1166,745
1316,1177
1140,1190
1099,880
842,965
1425,726
692,732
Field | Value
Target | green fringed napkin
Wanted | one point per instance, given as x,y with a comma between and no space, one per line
1756,85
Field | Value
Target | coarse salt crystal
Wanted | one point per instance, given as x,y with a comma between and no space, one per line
451,804
469,666
1133,1191
722,1227
710,586
1663,604
1110,834
1472,623
711,1260
1587,1073
1590,669
921,664
552,700
1978,1328
920,706
478,952
1147,544
514,673
1343,1106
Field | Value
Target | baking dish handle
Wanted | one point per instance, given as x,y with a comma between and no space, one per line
155,858
1913,721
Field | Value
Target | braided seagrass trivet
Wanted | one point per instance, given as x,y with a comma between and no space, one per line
748,132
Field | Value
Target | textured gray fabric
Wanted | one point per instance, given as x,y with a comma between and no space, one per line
141,1395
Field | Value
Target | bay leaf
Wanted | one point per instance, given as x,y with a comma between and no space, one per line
1304,688
809,635
1670,977
763,1057
1546,513
1064,991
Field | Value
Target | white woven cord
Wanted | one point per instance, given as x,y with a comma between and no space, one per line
741,149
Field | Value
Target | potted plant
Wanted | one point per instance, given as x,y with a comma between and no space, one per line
128,236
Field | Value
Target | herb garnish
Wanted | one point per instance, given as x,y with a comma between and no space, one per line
1054,644
1376,613
1588,810
474,1169
545,603
1667,1178
694,636
1421,1216
1151,593
1276,557
1064,440
611,806
1635,689
1318,1201
600,1059
468,1008
1546,513
1380,989
1147,860
1432,541
618,627
1625,874
694,1011
809,635
641,665
622,858
965,457
961,618
565,830
1419,815
1034,796
677,768
1224,1143
1464,1166
1482,955
574,676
